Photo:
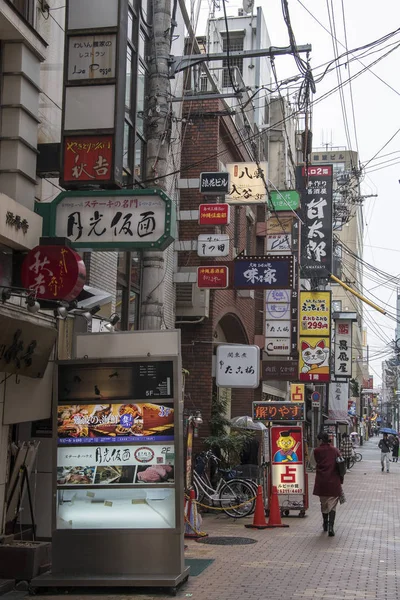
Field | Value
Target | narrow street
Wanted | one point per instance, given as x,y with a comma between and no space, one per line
302,562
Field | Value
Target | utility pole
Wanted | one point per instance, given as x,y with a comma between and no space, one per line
158,127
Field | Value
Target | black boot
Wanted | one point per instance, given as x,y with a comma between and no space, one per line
325,523
332,515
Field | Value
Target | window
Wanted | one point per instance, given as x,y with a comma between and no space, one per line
128,86
235,44
26,8
337,261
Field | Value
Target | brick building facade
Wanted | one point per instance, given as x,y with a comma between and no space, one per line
210,142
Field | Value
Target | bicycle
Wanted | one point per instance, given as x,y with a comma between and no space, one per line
235,496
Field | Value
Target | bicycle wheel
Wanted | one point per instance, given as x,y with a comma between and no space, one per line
234,493
199,494
358,456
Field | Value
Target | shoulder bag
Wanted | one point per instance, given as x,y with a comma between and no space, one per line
341,465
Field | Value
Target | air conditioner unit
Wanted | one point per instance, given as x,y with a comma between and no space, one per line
191,301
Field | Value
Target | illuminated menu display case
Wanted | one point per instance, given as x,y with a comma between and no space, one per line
118,473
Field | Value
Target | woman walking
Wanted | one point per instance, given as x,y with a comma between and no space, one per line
346,449
395,449
327,481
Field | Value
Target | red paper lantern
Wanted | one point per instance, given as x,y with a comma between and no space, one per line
54,272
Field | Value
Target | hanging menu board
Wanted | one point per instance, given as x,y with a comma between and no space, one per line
153,380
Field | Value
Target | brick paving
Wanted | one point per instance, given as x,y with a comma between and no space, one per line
301,562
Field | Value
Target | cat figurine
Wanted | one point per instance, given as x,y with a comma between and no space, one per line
315,358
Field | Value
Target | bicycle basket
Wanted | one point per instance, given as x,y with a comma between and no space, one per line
247,471
200,465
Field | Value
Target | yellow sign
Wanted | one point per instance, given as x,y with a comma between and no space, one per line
297,392
314,359
315,313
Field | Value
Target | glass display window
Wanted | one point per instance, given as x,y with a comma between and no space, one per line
116,508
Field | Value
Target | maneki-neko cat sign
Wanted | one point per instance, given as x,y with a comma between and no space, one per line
111,220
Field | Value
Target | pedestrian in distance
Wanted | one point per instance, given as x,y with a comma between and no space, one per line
346,449
384,446
395,449
328,482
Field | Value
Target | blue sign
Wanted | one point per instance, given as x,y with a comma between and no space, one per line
126,420
315,396
121,439
263,272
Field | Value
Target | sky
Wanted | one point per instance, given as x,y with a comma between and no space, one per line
371,106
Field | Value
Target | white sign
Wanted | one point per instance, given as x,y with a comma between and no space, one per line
277,311
279,242
338,401
278,296
110,219
247,183
92,57
288,478
277,346
213,245
343,341
151,454
275,329
238,366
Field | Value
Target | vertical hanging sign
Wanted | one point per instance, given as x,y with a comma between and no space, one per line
343,343
92,139
315,186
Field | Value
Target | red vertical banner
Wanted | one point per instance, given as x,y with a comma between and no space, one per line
287,459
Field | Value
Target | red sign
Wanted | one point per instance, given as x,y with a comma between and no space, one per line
212,277
88,158
214,214
54,272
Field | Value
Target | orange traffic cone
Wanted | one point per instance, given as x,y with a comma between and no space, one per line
274,511
259,521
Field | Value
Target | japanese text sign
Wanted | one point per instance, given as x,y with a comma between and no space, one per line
238,366
114,423
315,186
121,219
315,313
338,401
297,392
279,225
213,245
92,56
314,358
214,214
287,460
247,183
278,411
284,200
263,272
213,277
214,183
88,158
343,344
279,242
279,370
24,347
278,346
276,328
54,272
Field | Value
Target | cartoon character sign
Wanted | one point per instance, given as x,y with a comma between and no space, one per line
287,459
314,359
286,445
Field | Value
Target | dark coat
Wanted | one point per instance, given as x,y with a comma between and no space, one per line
327,479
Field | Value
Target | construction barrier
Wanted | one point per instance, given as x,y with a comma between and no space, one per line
259,521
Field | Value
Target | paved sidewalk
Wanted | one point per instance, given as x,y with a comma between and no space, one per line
302,562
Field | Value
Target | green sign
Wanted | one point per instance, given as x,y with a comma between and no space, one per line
285,200
111,220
